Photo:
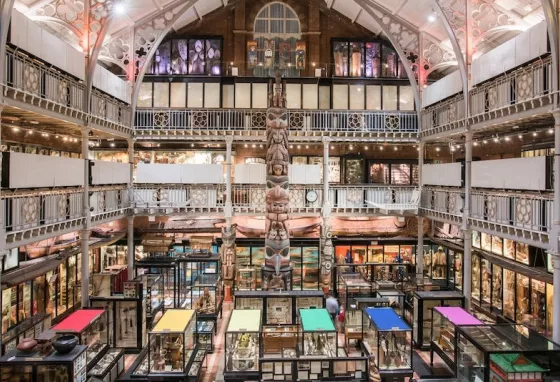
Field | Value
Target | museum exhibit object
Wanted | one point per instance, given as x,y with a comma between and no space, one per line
91,327
279,308
166,267
396,299
352,285
207,297
191,266
493,352
109,367
276,273
418,312
30,328
246,279
445,321
317,334
242,345
53,367
389,339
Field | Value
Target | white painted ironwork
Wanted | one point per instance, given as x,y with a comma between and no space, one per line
410,206
185,121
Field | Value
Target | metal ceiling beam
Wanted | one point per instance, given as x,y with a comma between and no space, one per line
551,16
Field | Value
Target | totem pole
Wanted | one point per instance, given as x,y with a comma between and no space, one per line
276,269
227,257
327,256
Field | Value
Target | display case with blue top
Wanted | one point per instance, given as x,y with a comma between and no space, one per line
389,339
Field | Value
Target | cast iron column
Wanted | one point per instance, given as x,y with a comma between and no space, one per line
3,205
467,257
84,234
555,234
229,206
130,226
420,246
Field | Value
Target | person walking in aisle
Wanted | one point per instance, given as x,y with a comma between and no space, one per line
332,307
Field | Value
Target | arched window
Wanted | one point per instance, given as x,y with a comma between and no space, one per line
277,20
276,33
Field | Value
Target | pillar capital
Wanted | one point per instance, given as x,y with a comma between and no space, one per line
556,115
229,140
326,140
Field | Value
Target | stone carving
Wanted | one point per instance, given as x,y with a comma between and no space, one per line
277,240
327,256
228,253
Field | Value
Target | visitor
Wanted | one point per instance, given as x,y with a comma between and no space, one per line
332,307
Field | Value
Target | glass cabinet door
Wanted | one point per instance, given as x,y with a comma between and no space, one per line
497,285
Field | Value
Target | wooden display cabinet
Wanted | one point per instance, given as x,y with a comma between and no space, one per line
276,338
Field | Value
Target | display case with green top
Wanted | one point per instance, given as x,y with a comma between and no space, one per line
317,334
242,345
504,353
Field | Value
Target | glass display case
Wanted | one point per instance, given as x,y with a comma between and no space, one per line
389,338
494,353
205,335
207,296
317,334
30,328
109,367
166,267
396,299
278,340
53,367
246,279
279,308
91,328
444,332
152,290
192,265
353,317
353,285
242,344
171,343
420,306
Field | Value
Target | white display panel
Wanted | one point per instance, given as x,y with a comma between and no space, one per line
510,174
260,96
389,97
161,94
242,96
293,96
179,173
443,88
212,95
324,97
178,94
145,95
228,94
373,97
357,97
443,174
33,171
310,96
406,98
253,173
194,94
304,174
340,97
103,172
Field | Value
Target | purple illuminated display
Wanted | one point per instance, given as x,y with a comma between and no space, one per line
188,56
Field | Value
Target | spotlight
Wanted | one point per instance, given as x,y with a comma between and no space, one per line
113,144
380,148
432,17
551,131
496,139
298,147
120,8
306,146
254,146
475,143
16,129
507,139
366,148
396,148
485,141
246,145
535,134
438,149
520,136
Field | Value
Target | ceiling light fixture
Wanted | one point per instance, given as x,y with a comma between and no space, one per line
120,8
432,17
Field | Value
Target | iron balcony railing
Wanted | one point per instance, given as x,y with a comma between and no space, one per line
255,120
524,210
33,78
27,210
251,198
525,88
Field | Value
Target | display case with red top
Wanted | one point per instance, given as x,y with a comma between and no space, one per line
91,328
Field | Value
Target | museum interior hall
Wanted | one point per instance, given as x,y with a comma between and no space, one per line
280,190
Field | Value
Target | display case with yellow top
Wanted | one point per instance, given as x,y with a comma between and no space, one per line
243,344
171,343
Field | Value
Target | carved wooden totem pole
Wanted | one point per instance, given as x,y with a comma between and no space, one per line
276,273
327,255
228,254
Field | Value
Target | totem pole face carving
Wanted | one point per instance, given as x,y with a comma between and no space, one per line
277,241
228,253
327,257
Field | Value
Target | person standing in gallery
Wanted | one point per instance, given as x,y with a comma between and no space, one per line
332,307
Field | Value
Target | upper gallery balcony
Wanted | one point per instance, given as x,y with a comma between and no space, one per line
511,85
250,124
33,85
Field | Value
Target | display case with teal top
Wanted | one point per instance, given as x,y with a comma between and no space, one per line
389,339
317,334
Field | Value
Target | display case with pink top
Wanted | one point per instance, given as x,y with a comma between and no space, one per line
445,321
